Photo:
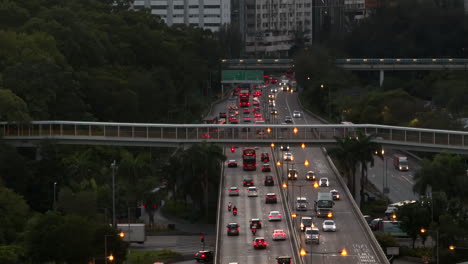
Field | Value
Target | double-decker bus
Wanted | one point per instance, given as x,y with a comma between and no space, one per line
244,95
249,159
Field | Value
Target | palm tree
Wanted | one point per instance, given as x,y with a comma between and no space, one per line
364,155
345,154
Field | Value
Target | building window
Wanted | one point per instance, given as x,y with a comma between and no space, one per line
193,15
159,7
212,15
211,24
193,6
178,7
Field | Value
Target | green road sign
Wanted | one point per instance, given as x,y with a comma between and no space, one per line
234,76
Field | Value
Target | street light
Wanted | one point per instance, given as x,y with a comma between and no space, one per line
113,167
423,231
54,203
303,146
306,163
110,257
295,130
329,101
303,252
272,145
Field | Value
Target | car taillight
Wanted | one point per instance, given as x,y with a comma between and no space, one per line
255,243
279,215
203,255
230,190
274,197
237,190
237,229
270,216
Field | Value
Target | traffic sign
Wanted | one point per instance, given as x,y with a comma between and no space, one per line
248,76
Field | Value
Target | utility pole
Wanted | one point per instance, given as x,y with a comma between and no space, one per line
113,167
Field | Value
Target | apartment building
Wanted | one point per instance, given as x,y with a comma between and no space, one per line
207,14
272,25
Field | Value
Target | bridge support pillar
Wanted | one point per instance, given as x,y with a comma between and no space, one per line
381,78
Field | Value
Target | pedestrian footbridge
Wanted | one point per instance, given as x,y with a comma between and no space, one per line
142,134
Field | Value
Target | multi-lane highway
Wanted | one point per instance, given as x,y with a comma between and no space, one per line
351,233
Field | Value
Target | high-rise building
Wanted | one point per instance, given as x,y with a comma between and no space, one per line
207,14
273,25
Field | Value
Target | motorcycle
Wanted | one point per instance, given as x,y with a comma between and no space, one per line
229,208
254,231
234,212
233,149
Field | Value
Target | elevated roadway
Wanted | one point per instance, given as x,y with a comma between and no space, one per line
139,134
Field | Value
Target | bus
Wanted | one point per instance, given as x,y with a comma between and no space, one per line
249,159
244,95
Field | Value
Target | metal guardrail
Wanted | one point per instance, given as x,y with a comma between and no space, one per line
380,254
403,61
140,134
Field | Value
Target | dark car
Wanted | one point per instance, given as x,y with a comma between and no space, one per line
265,157
310,176
204,256
335,194
248,182
232,164
232,229
283,260
269,181
266,167
374,224
292,174
271,198
257,222
284,147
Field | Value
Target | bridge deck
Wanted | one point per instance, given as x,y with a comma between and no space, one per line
138,134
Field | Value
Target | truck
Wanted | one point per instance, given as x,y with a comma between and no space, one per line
134,233
324,204
400,162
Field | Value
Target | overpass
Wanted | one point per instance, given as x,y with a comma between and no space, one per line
404,64
357,64
141,134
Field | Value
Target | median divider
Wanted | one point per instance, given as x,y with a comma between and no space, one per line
380,254
219,214
295,238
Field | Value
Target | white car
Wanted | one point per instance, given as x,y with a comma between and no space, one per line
274,216
233,191
278,234
252,192
297,114
323,182
284,147
288,156
329,226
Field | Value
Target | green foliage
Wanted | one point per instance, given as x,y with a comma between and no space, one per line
374,208
149,257
180,210
12,107
445,173
11,254
385,239
415,252
413,217
14,214
69,238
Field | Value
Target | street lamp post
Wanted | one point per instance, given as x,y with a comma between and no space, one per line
54,203
113,167
111,257
423,231
329,101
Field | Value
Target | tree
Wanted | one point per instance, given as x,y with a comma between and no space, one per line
365,155
345,153
413,217
15,213
11,254
445,173
12,107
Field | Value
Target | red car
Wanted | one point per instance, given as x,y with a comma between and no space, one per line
233,120
279,234
246,111
257,115
259,242
247,119
266,167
